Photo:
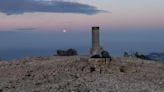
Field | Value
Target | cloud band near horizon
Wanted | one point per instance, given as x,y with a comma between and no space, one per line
11,7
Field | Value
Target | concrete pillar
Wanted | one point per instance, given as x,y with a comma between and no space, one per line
95,41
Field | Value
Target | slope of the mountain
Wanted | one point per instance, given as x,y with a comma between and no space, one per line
81,74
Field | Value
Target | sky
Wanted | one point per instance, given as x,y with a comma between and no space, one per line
134,24
54,15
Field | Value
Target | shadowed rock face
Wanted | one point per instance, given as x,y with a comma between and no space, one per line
77,74
104,54
96,56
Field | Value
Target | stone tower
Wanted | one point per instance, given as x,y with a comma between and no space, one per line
96,49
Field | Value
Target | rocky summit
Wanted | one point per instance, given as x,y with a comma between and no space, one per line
81,74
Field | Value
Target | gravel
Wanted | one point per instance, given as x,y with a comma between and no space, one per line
80,74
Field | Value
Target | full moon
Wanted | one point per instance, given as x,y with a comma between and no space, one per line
64,30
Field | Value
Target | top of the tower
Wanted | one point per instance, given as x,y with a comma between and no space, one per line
95,28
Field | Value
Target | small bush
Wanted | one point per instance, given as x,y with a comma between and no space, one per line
105,54
69,52
61,53
126,54
141,56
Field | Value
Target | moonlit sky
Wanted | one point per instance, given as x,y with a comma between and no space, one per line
131,24
121,14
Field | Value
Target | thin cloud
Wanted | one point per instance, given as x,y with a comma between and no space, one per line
25,29
11,7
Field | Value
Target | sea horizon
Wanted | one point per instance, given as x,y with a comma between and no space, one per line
20,53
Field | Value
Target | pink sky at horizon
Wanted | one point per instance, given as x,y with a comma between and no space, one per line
124,14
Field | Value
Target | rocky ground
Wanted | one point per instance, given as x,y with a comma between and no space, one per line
79,74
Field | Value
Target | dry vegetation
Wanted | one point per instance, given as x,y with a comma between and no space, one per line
78,74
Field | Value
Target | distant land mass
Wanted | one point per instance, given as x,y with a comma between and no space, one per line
156,56
15,54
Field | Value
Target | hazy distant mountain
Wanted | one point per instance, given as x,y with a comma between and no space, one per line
156,56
